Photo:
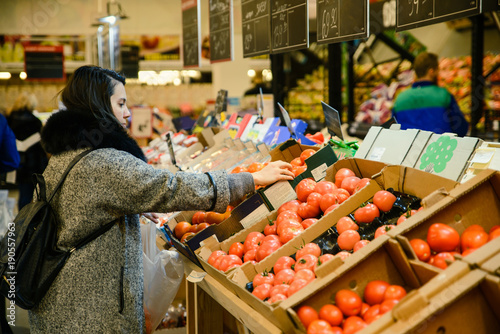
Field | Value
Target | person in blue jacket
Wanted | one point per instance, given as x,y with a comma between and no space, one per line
426,106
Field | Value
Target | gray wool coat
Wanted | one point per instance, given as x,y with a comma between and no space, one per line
100,289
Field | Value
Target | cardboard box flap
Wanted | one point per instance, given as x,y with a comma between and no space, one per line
406,307
368,141
483,255
434,197
329,266
454,272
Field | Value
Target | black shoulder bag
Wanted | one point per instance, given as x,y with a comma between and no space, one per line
29,257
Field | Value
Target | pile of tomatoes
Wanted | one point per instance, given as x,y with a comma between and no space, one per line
443,242
350,313
184,230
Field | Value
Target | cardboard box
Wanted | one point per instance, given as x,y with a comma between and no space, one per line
487,156
476,201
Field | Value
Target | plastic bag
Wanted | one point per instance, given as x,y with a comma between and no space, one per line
163,273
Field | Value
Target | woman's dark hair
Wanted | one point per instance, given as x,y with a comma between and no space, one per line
90,89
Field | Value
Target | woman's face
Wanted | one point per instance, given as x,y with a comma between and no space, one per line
119,104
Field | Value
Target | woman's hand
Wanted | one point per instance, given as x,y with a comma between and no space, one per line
151,216
274,171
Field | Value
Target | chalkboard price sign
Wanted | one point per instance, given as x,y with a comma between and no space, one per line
256,31
44,62
191,33
221,30
289,25
417,13
341,20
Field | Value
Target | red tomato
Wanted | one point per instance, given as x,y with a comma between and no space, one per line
332,314
475,227
326,201
349,183
292,205
366,214
374,292
186,236
304,188
239,169
371,314
193,228
287,224
266,248
323,258
494,234
309,248
348,302
281,289
198,217
353,324
325,187
250,255
276,297
346,223
284,262
343,255
262,291
214,256
270,228
287,216
388,305
228,260
218,261
308,261
255,167
262,278
421,249
181,228
319,327
341,174
493,228
333,207
442,238
383,230
394,292
384,200
468,251
473,239
236,248
252,241
308,222
364,308
341,195
405,216
306,274
202,226
297,170
296,285
314,199
284,276
347,239
229,209
307,210
297,162
361,184
214,217
289,233
360,244
307,315
308,152
441,259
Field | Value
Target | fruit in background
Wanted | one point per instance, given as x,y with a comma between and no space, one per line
297,170
341,174
473,239
308,222
236,249
306,154
326,201
288,215
348,302
181,228
252,241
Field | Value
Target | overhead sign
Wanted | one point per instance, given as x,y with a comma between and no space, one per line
44,62
221,30
191,33
255,27
289,25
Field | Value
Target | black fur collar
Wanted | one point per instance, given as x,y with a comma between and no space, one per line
69,130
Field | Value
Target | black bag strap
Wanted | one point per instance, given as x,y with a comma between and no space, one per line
94,235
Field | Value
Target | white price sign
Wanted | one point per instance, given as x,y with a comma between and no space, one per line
142,122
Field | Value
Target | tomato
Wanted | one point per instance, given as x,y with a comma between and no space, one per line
297,162
361,184
314,199
292,205
307,315
306,274
348,302
309,248
383,230
349,183
341,195
332,314
304,188
494,234
308,261
214,217
325,257
266,248
286,225
374,292
288,215
336,330
308,222
442,238
202,226
319,327
341,174
181,228
284,276
384,200
353,324
371,314
343,255
364,308
474,227
333,207
346,223
255,167
360,244
388,305
228,260
281,289
198,217
289,233
276,297
493,228
236,248
186,236
296,285
270,228
325,187
326,201
284,262
441,259
214,256
262,291
218,261
262,278
250,255
473,239
421,249
307,210
229,209
308,152
394,292
252,241
193,228
347,239
366,214
405,216
297,170
239,169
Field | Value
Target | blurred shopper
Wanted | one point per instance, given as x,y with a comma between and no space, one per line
27,127
426,106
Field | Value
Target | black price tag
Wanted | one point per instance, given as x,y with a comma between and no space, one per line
286,119
221,101
389,122
332,119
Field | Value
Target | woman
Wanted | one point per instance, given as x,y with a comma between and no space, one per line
100,289
27,126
